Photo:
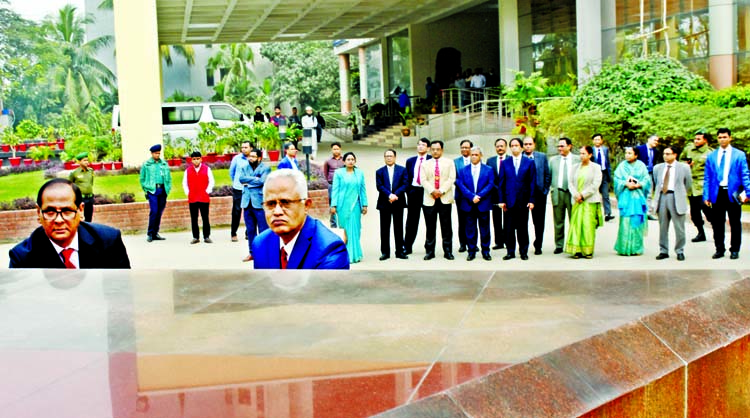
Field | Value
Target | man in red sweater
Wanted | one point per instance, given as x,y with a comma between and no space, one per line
198,182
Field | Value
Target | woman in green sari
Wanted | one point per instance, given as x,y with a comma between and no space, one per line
586,215
632,182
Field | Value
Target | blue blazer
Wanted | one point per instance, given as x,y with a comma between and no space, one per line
383,184
492,163
459,162
543,177
410,167
605,157
99,247
252,182
317,248
737,181
286,163
485,186
643,156
518,189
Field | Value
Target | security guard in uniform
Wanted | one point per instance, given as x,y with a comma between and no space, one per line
83,177
695,155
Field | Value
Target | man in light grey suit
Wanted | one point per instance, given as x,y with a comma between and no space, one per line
673,180
562,168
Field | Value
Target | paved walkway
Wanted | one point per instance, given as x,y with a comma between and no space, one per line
177,253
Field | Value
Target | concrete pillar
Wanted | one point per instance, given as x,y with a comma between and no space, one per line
722,25
138,78
385,64
510,61
346,99
609,29
363,74
589,38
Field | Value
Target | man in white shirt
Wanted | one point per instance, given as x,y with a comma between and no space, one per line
562,167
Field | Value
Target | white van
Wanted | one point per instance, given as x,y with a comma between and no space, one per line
181,119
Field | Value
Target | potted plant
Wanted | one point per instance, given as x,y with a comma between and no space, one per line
41,153
13,141
207,138
523,94
351,122
116,157
407,118
67,159
268,139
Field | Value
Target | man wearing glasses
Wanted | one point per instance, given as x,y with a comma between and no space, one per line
294,240
63,241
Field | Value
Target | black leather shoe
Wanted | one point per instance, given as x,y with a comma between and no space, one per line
652,218
498,247
487,256
407,251
471,256
734,255
680,257
384,257
717,255
538,252
662,256
509,257
149,238
449,256
402,256
429,256
608,218
699,238
524,257
158,237
558,251
462,249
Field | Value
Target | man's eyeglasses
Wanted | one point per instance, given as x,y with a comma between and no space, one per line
67,214
285,204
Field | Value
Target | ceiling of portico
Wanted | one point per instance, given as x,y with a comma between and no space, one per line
228,21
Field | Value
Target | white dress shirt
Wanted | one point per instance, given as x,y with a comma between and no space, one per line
727,160
420,160
475,175
564,165
390,170
671,168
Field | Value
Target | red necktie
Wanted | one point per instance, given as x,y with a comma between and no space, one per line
419,171
437,175
283,258
66,253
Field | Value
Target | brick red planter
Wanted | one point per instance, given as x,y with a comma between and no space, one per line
133,217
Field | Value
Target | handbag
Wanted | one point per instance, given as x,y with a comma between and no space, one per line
340,232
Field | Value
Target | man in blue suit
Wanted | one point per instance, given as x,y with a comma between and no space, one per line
294,240
649,155
62,240
601,157
543,179
726,183
496,163
462,161
477,182
390,181
290,157
516,195
253,177
414,192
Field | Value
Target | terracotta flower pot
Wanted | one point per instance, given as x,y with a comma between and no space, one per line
61,145
221,158
21,147
96,166
274,155
28,161
118,165
68,165
14,161
108,165
210,157
1,163
5,147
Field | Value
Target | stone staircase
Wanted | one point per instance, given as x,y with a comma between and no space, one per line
388,137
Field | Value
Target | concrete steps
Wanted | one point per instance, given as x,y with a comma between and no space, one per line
389,137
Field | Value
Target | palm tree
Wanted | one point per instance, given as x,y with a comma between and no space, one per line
234,58
166,51
83,78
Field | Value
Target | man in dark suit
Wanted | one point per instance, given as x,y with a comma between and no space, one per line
516,195
461,161
726,184
495,163
390,181
62,240
649,155
541,189
294,240
290,158
414,192
601,157
476,182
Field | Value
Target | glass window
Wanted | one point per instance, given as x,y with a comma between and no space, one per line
743,41
554,39
374,68
224,113
398,62
210,82
174,115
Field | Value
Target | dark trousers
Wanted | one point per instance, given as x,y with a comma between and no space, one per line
604,190
386,214
698,208
431,214
517,227
88,208
236,211
473,218
157,201
255,223
201,207
333,218
720,210
537,217
462,221
414,199
497,224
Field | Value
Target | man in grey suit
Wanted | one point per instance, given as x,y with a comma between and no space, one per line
601,157
561,166
673,180
541,188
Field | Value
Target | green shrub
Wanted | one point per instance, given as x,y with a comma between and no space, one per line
28,129
581,126
552,113
637,85
736,96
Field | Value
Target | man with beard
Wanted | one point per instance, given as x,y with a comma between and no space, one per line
253,177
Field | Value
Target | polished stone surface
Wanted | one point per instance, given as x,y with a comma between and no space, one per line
323,344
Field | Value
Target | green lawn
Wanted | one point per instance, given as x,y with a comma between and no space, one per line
15,186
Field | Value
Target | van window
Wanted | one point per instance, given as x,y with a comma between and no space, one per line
224,113
174,115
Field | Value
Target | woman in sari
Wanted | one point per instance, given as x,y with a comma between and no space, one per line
349,203
632,182
586,214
